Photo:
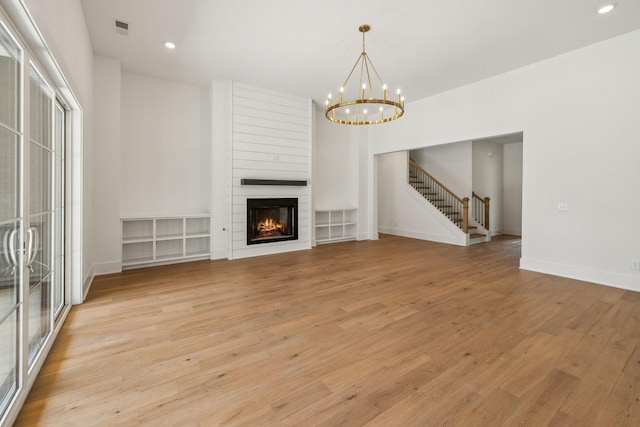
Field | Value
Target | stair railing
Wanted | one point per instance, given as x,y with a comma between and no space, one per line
440,196
480,208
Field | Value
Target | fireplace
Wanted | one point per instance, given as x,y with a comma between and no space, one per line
271,220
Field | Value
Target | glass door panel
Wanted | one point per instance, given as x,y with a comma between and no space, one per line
10,55
11,259
10,240
39,234
8,359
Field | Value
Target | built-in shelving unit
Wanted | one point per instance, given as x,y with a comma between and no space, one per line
165,240
336,225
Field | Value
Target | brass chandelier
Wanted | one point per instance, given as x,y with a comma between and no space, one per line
360,105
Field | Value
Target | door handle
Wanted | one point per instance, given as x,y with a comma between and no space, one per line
33,240
10,250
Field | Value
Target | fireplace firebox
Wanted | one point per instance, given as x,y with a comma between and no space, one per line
272,220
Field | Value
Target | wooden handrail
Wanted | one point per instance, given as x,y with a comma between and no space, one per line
435,180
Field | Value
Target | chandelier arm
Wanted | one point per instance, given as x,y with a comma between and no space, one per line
375,71
366,64
362,66
352,70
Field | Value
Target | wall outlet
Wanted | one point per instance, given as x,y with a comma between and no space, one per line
563,206
635,264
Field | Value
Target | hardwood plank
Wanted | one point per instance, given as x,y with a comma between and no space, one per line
390,332
540,404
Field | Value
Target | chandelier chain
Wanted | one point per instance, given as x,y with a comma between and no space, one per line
363,49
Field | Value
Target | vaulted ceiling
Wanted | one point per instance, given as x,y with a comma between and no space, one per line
307,48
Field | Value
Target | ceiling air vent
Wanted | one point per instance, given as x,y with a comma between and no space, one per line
121,27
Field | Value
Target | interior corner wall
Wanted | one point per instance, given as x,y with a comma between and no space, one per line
107,249
488,179
578,113
512,189
165,148
220,203
367,193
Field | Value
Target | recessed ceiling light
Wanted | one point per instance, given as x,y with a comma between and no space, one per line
170,45
606,8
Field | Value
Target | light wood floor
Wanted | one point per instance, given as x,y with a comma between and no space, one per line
395,332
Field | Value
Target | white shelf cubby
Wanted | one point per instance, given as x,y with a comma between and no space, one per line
335,225
164,240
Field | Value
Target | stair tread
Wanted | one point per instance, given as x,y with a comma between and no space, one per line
473,235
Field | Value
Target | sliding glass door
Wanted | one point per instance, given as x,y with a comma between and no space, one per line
32,217
11,191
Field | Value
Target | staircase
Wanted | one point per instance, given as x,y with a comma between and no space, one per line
448,203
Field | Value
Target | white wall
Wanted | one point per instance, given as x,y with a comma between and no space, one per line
578,112
336,179
221,125
512,189
488,179
451,164
107,171
165,148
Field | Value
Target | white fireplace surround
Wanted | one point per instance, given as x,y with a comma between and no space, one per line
260,136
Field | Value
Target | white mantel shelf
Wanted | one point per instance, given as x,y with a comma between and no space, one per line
283,182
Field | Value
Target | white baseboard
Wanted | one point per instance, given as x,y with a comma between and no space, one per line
512,231
367,236
98,270
86,284
424,236
607,278
107,268
270,249
219,254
